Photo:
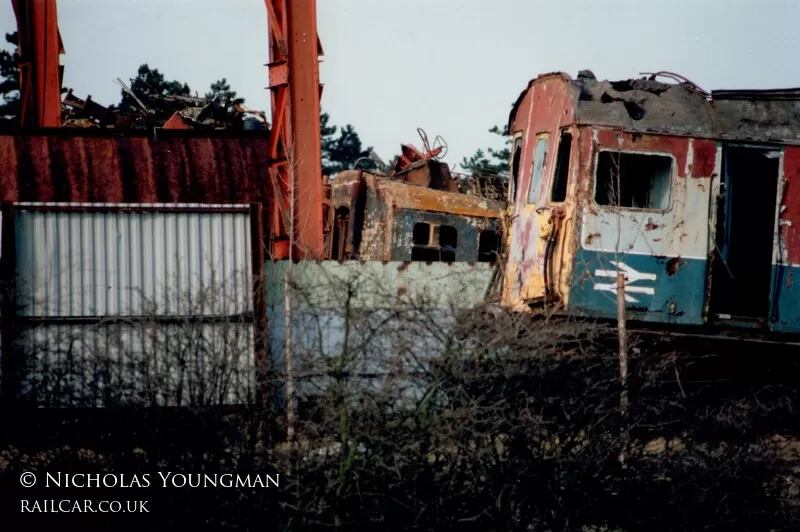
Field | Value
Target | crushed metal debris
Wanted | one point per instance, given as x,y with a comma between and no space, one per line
193,113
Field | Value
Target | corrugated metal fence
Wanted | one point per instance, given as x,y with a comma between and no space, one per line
130,304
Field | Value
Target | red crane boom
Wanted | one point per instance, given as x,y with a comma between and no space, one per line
39,69
294,148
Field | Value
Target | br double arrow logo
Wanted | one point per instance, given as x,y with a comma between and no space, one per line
631,276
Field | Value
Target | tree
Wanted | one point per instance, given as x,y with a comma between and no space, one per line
9,79
490,162
340,152
221,91
152,88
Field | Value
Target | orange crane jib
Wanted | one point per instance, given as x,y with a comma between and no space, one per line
40,71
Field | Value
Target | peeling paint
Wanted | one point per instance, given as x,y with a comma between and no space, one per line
391,209
567,253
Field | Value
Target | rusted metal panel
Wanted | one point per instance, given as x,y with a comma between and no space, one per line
467,229
790,210
402,196
704,158
176,121
383,212
98,166
345,187
785,300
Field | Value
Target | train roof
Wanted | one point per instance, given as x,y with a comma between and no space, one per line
402,195
646,105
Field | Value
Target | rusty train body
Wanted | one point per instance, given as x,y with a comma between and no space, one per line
377,218
694,196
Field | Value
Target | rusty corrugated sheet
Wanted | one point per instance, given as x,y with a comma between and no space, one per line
99,166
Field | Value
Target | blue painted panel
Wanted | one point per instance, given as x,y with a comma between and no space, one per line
656,283
468,229
785,300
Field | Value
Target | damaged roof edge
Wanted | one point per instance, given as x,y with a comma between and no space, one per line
515,108
645,105
406,196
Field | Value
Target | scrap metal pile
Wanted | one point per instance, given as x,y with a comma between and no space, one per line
168,112
424,168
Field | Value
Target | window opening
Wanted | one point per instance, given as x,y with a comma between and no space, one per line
561,176
633,180
539,156
488,246
515,168
434,243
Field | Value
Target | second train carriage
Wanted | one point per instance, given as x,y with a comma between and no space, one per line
378,218
695,196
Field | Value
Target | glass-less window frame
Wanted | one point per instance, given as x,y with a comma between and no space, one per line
428,242
561,172
538,166
670,179
489,245
516,164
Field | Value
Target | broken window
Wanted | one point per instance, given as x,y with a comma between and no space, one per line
561,176
633,180
421,235
539,156
448,241
488,246
515,169
434,243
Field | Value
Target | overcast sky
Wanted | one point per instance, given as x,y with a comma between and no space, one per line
452,67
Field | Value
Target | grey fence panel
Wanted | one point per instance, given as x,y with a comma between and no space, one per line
82,260
373,323
134,304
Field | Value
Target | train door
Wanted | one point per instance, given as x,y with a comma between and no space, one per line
525,271
742,270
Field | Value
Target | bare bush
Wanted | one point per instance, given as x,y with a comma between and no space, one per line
414,412
418,414
191,347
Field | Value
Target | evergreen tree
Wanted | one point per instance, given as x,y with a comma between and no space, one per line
221,91
491,161
150,86
9,79
340,152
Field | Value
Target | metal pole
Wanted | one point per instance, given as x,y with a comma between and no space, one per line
623,363
287,302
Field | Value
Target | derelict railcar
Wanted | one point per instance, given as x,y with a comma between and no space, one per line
694,196
377,218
